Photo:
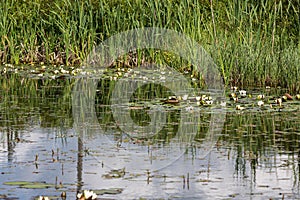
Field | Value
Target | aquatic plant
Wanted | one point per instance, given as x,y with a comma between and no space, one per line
87,195
252,42
43,198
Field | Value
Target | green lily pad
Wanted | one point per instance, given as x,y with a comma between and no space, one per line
115,173
112,191
18,183
37,186
30,185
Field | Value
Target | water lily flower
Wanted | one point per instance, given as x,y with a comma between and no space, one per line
62,70
209,102
204,97
243,93
223,104
298,96
87,195
284,98
234,88
260,103
189,108
172,100
198,98
239,107
185,97
278,101
63,194
233,97
260,96
9,65
43,198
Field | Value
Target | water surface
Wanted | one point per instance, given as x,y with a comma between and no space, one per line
256,155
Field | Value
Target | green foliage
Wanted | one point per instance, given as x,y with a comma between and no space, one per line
253,42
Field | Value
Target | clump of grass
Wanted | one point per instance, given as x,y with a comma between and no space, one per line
253,42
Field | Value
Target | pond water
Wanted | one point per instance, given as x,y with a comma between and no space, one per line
46,149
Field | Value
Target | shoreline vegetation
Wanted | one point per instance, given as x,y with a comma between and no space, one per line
252,42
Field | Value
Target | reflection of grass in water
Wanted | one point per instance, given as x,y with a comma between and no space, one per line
258,131
27,103
256,137
146,93
149,94
46,100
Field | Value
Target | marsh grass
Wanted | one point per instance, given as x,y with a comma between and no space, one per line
253,42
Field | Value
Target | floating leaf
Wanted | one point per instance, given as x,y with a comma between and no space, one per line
109,191
30,185
19,183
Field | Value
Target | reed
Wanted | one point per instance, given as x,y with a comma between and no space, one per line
253,42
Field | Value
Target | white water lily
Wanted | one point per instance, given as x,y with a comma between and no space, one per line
278,101
189,108
185,97
87,194
43,198
162,78
209,102
243,93
239,107
64,71
260,103
198,98
223,104
204,97
234,88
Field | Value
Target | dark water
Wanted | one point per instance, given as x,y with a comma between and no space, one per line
47,138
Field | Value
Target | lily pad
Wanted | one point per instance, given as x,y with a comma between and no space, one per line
30,185
18,183
112,191
37,186
115,173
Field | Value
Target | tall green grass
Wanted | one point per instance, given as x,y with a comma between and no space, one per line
253,42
